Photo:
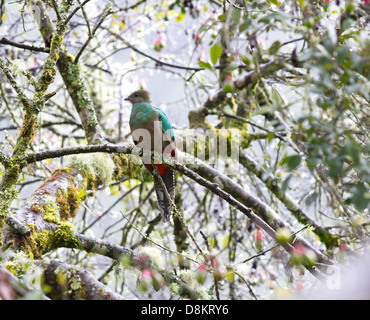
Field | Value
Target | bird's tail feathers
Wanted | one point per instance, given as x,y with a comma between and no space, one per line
168,178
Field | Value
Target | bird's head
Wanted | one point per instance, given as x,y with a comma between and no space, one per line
139,96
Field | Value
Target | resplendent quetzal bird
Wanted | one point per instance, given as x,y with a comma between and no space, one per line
151,130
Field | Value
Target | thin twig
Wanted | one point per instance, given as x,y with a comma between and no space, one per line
156,243
107,11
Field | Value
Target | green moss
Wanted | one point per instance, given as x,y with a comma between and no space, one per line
7,196
40,242
56,41
69,202
16,266
61,208
197,118
126,167
74,78
175,288
210,142
57,211
43,241
70,58
64,235
51,210
69,279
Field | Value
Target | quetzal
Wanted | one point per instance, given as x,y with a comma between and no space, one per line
151,130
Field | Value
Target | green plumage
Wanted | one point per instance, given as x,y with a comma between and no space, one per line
152,130
144,113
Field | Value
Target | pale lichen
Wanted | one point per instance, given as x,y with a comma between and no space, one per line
7,196
96,168
189,277
155,255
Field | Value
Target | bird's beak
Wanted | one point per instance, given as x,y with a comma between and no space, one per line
127,99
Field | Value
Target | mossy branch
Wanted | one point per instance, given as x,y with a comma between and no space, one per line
220,96
137,261
73,283
259,212
72,76
32,109
272,184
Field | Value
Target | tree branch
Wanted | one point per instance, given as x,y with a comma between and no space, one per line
24,46
259,212
220,96
69,282
73,79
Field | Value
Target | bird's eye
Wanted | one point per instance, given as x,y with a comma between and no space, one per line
136,95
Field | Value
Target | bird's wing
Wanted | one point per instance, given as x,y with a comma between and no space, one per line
166,125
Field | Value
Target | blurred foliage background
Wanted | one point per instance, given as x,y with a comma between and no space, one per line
291,77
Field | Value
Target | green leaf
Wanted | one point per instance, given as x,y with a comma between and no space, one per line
292,162
335,166
235,15
215,53
270,136
277,98
228,87
81,193
222,17
23,178
360,196
274,16
347,23
311,199
342,53
264,110
205,65
274,48
284,185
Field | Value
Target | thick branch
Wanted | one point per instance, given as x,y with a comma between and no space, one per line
69,282
72,77
229,190
32,108
46,217
116,252
272,184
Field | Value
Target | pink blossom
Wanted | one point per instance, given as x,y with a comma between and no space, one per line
301,250
158,40
143,82
146,273
202,268
299,286
202,56
258,235
342,246
214,263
